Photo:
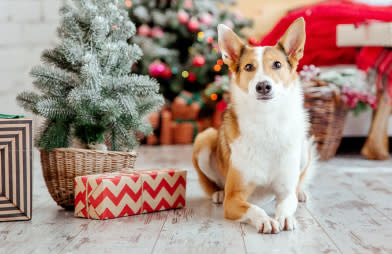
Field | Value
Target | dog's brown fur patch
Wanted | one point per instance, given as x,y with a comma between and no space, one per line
243,77
285,74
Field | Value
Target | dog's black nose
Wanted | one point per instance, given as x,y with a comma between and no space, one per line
264,87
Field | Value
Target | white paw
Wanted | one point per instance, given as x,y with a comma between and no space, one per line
302,196
286,222
268,226
218,197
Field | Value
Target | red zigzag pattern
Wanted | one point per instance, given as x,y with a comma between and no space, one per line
126,190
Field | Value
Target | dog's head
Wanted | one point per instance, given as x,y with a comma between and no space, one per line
264,73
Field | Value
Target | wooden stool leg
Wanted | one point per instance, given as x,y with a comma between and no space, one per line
376,145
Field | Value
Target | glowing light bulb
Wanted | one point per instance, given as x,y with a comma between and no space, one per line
185,74
200,35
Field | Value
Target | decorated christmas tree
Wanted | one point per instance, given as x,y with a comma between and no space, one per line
86,86
179,39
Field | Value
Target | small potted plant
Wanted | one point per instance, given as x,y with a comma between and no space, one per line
88,94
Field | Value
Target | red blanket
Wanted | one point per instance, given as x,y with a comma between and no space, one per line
321,21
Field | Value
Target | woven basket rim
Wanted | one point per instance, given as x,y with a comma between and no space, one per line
82,150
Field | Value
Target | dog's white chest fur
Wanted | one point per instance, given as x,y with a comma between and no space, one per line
268,149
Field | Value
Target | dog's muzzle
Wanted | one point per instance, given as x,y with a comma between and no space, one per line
264,90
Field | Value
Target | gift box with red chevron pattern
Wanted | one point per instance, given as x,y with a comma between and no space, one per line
113,195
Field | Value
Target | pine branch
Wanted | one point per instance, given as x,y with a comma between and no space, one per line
122,137
28,101
149,104
54,108
135,85
54,134
53,80
67,56
128,105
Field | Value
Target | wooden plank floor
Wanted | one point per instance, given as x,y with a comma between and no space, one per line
349,211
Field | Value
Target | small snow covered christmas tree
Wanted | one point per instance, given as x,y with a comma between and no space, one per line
87,88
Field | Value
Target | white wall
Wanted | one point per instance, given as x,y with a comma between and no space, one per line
26,28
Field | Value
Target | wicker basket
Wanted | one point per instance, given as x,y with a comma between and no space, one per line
62,165
327,117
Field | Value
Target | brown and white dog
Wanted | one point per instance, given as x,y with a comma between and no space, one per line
263,143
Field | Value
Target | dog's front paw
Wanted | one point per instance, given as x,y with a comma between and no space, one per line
269,226
286,222
218,197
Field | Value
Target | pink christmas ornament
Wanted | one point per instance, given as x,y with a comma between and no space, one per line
144,30
157,32
167,73
183,17
198,61
193,25
238,16
156,69
206,19
229,24
188,4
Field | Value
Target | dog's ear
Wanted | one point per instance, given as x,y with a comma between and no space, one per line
230,46
293,42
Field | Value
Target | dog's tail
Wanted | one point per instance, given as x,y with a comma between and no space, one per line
313,160
309,162
205,147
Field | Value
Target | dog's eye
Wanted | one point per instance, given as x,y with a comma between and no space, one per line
249,67
276,65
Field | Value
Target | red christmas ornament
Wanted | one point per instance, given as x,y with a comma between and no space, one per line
193,25
156,69
198,61
191,77
188,4
183,17
157,32
253,41
144,30
210,40
167,73
221,106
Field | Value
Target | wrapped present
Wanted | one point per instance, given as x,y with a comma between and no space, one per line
107,196
187,106
166,137
15,164
161,124
185,131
